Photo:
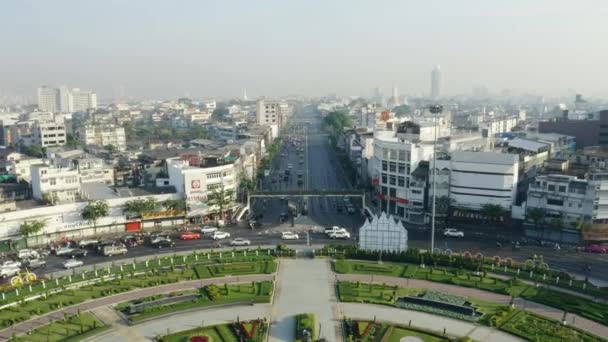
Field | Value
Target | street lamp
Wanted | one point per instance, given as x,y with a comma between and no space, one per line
435,109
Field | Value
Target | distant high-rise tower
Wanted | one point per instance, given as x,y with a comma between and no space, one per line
436,82
49,99
245,94
394,100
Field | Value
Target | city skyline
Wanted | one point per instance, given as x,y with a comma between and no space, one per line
158,50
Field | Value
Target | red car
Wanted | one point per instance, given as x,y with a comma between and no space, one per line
190,236
595,249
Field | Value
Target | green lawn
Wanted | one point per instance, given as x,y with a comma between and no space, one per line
235,269
75,328
226,294
306,321
570,303
536,328
221,333
367,331
372,293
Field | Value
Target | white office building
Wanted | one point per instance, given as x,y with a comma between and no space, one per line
55,184
49,133
80,100
271,112
479,178
383,233
103,136
49,99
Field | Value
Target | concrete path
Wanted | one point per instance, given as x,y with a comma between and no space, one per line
543,310
147,331
38,321
304,285
426,321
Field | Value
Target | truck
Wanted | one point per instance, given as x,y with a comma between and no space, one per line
334,229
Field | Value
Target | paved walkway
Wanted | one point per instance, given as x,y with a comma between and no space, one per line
304,285
111,300
426,321
578,321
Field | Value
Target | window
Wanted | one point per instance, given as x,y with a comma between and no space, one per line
417,204
551,187
384,165
385,153
384,178
212,187
401,181
392,167
562,188
416,191
384,190
553,201
392,154
401,155
392,192
214,175
52,181
400,211
392,180
401,168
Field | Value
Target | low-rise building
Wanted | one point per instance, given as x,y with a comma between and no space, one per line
106,135
54,183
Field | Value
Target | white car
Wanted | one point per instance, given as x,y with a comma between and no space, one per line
71,263
451,232
208,230
6,272
86,243
10,264
334,229
220,235
289,236
340,235
240,242
63,250
27,254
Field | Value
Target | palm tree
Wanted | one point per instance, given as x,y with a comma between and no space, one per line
93,211
221,198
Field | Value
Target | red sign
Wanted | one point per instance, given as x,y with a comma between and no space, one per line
375,181
393,199
384,116
196,184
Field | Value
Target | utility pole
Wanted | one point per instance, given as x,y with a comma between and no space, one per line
435,109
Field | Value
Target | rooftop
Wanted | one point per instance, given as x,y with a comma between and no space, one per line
485,157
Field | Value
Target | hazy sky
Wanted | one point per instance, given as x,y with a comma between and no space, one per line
166,49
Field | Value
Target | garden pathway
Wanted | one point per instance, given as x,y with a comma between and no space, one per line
543,310
425,321
38,321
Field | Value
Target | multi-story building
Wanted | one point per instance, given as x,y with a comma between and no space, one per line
80,100
479,178
50,133
271,112
54,183
103,136
49,99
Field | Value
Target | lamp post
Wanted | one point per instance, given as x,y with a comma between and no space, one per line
435,109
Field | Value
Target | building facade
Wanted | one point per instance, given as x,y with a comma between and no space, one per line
103,136
55,184
49,99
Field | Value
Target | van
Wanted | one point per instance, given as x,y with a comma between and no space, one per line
114,250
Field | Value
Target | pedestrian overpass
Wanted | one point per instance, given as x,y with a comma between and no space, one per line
301,194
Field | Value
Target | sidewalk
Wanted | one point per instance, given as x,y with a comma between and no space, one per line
546,311
38,321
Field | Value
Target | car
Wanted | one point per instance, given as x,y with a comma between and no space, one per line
240,242
451,232
289,236
163,243
114,250
76,253
101,244
87,243
63,250
190,236
6,272
289,166
10,264
334,229
340,235
208,229
220,235
27,254
71,263
595,249
35,263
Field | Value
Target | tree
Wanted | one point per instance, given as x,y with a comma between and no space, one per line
557,223
141,206
219,114
72,142
49,198
493,211
174,205
198,132
442,204
29,228
94,210
110,148
537,215
337,120
35,151
402,110
220,198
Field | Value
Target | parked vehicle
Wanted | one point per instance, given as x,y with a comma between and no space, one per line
33,264
63,251
190,236
334,229
71,263
340,235
101,244
240,242
27,254
208,230
220,235
451,232
87,243
163,243
76,253
114,250
595,249
10,264
289,236
6,272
